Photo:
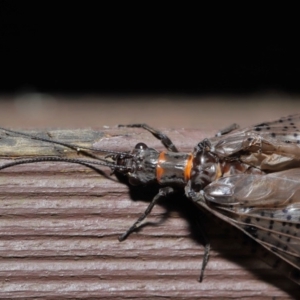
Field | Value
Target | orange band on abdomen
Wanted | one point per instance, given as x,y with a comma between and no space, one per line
159,169
188,168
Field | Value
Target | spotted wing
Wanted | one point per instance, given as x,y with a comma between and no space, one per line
271,146
266,208
286,129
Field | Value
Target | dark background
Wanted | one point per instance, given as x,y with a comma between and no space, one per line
87,48
67,64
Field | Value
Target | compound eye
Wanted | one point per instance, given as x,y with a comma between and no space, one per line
141,146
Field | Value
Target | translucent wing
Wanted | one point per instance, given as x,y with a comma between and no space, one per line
270,146
265,207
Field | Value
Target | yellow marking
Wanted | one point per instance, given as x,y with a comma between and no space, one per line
219,171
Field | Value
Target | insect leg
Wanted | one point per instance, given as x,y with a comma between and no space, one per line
228,129
196,197
206,249
159,135
162,193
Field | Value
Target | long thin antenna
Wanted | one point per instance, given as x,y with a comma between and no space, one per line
84,162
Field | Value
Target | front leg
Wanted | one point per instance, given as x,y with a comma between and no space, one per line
158,134
163,192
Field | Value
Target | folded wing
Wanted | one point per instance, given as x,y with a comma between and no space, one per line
266,208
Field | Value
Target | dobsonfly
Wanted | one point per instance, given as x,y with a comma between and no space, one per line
248,177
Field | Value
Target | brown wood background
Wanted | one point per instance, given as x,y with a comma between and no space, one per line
60,222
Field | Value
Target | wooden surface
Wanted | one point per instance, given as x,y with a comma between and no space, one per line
60,222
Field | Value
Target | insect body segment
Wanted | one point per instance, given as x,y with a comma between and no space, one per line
174,168
139,165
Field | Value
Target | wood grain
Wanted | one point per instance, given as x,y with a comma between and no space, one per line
60,222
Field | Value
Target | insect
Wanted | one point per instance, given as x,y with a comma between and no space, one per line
248,177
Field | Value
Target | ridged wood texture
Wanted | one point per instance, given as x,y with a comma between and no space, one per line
59,225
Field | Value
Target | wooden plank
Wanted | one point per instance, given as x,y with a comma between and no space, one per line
60,222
